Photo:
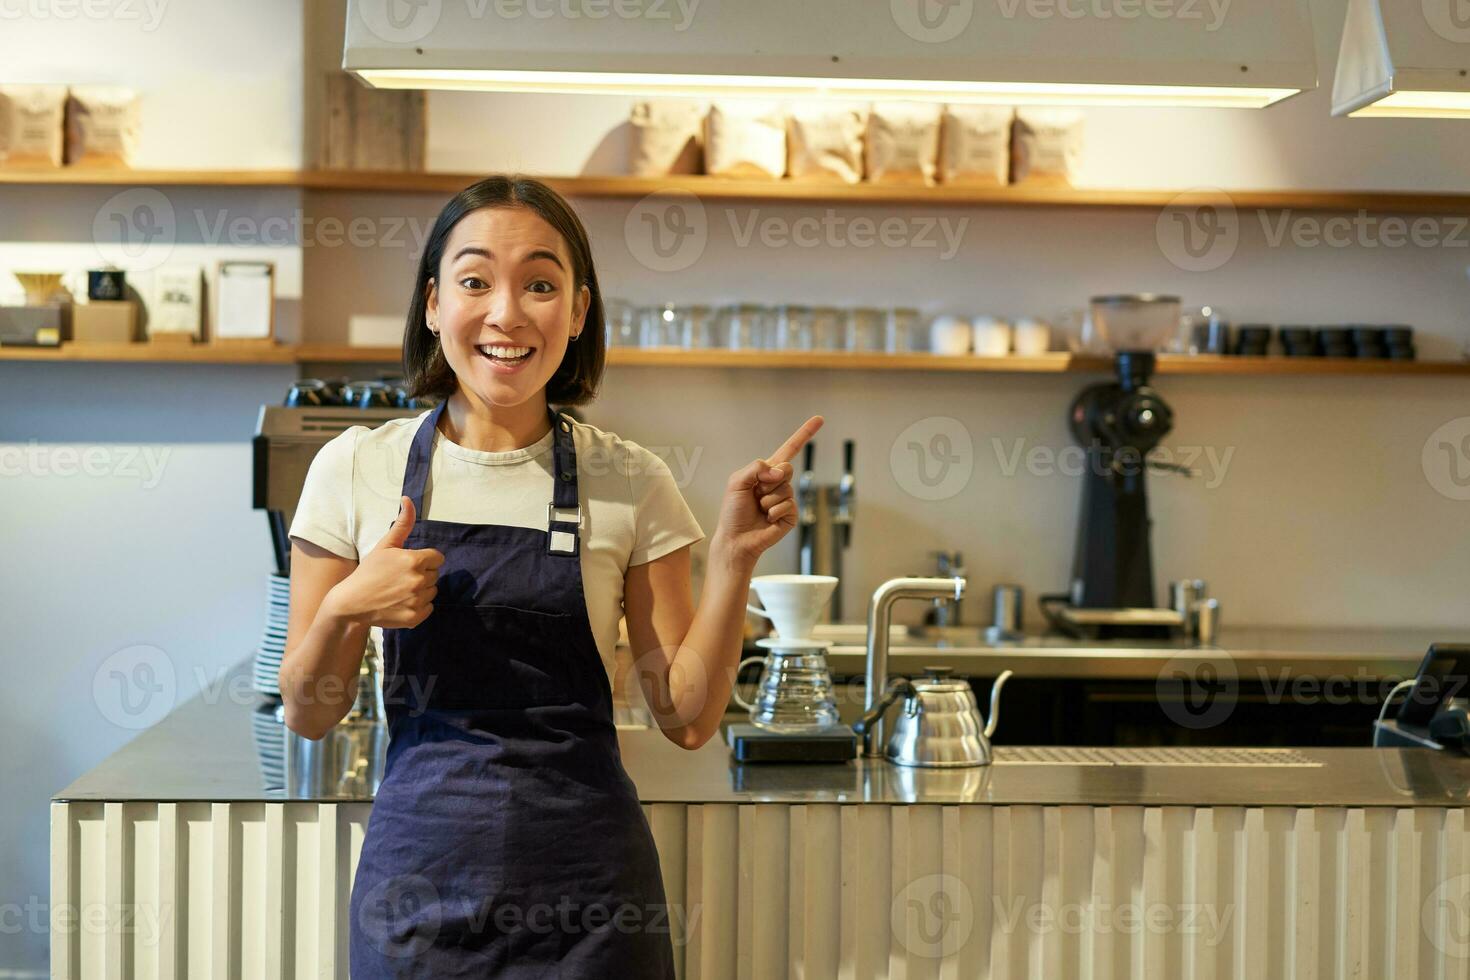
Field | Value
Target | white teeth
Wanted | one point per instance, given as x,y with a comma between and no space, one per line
506,352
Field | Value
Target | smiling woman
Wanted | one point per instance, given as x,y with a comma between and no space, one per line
504,798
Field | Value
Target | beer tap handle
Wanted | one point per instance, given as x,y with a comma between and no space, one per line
846,491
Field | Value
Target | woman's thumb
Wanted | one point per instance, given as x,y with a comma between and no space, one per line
398,531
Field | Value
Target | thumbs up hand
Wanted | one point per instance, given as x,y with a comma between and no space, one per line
392,586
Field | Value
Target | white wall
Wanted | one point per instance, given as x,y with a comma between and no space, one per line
170,557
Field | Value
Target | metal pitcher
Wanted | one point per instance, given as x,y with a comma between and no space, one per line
940,725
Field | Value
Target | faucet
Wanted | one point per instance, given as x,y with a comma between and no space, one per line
951,564
880,614
825,510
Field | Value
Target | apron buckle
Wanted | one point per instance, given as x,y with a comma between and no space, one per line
562,537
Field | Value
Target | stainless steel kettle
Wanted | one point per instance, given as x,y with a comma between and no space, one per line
940,724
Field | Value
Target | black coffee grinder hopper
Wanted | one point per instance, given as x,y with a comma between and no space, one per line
1118,423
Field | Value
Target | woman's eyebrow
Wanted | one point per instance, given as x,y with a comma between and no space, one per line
539,253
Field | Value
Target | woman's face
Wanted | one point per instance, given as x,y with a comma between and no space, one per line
505,288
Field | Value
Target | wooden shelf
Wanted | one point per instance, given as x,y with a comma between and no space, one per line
718,188
1057,363
154,353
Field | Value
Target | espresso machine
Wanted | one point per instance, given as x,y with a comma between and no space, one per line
1118,423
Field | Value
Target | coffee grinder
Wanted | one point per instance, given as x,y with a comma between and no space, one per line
1118,423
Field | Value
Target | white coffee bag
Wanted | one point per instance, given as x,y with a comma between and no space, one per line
31,125
667,138
975,145
824,141
903,142
1046,146
102,125
745,138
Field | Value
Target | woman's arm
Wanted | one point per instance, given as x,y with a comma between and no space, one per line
334,601
318,678
685,661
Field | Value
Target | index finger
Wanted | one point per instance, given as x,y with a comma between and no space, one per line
799,438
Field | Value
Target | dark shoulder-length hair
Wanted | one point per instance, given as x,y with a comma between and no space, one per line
577,378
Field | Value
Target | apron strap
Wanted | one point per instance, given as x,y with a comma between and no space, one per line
562,536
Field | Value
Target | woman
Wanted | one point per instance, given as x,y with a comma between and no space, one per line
506,840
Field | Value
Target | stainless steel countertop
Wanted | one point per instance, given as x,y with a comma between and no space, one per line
223,752
1252,654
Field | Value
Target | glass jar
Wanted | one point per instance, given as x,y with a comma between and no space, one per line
660,326
621,320
793,327
694,327
742,326
865,329
828,331
902,333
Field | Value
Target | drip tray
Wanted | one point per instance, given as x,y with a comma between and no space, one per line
1046,755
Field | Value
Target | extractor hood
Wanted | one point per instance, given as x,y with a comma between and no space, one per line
1403,59
1230,53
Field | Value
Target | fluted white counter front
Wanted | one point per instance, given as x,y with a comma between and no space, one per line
175,859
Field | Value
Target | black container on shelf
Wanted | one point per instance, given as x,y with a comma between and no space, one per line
1402,352
1398,335
1365,336
1294,336
1372,351
1251,340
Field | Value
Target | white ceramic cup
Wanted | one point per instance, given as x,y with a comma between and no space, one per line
1032,337
793,603
949,335
992,337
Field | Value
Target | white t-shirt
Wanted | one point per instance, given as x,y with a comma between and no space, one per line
632,510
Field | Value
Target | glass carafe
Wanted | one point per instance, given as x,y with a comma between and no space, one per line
794,693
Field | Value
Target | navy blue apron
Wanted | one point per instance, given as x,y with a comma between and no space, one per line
506,839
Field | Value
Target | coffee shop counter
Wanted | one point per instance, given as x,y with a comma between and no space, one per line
185,854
